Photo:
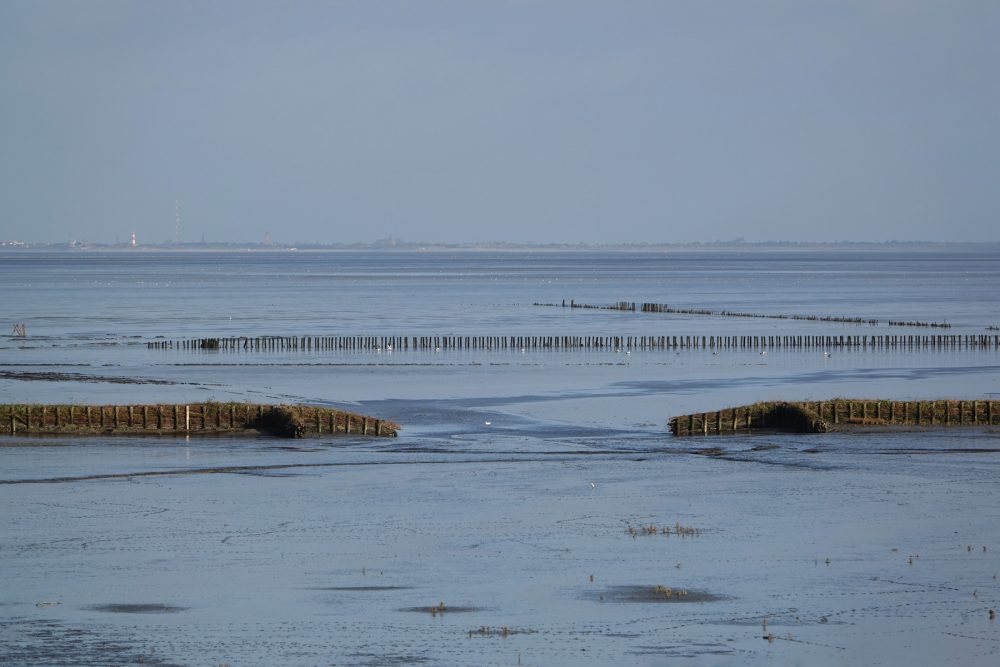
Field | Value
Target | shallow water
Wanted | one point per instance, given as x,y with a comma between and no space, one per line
857,548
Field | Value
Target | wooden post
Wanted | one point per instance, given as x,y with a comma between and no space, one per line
187,417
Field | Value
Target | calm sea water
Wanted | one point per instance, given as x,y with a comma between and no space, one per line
509,493
142,293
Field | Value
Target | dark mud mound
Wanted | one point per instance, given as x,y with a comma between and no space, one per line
137,608
650,595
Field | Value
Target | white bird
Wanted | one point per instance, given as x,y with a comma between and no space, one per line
593,485
488,423
763,352
628,351
388,348
826,354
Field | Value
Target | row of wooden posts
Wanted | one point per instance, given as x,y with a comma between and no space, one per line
813,416
194,418
632,307
600,343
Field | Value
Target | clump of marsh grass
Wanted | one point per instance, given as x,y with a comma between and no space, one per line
677,529
503,631
668,592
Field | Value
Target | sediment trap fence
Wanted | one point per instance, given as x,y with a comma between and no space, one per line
632,307
576,343
822,416
291,421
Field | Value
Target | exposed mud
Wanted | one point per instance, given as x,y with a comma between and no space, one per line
361,589
443,609
650,594
51,376
137,608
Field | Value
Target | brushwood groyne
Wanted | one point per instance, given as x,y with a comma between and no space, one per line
373,343
822,416
291,421
632,307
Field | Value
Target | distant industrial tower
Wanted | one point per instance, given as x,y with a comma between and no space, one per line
177,221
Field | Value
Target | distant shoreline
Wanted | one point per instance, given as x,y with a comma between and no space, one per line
402,248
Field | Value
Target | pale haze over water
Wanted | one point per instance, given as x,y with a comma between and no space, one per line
514,121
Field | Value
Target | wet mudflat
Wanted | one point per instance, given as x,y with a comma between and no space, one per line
512,519
853,553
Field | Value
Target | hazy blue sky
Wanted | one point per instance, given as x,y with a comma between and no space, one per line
523,120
